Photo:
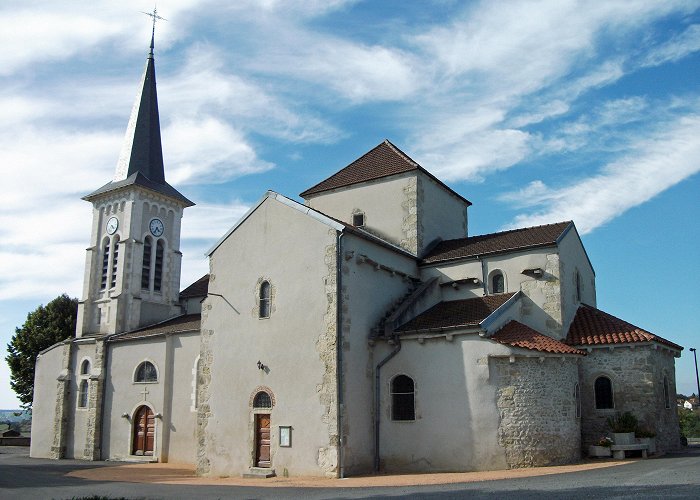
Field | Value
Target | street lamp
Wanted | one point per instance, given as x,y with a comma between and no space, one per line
697,379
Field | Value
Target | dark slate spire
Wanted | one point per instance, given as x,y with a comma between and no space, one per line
141,158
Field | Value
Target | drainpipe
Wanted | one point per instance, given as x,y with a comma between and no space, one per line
339,347
377,399
484,276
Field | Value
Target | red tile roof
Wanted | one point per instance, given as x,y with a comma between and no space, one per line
456,313
518,335
180,324
592,326
197,289
382,161
515,239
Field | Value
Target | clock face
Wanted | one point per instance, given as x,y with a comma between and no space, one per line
156,227
112,225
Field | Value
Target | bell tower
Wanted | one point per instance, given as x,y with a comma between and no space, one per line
132,267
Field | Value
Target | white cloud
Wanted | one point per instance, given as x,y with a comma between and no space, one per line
208,151
652,165
675,49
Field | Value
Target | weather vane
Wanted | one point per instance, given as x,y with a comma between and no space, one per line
154,15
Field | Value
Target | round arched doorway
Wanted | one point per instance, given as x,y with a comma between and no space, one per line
144,431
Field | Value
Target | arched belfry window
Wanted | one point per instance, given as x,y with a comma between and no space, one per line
498,284
158,271
115,261
603,393
265,293
146,372
85,367
146,267
262,400
105,264
403,398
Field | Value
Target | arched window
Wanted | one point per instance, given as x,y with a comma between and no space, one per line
264,299
262,400
115,260
146,267
403,398
577,400
83,390
158,274
603,393
497,283
146,372
667,394
85,367
105,264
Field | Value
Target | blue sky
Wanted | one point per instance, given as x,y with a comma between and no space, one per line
537,112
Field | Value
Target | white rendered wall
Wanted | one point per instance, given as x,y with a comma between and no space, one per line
48,368
297,254
442,214
573,259
368,293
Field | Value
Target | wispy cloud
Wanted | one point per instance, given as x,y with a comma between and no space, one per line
653,164
676,48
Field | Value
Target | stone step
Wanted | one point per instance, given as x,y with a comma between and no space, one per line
259,473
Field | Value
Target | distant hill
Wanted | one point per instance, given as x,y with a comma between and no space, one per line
15,415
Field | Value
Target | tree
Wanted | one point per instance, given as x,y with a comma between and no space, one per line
45,326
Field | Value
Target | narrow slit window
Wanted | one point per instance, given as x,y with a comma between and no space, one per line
497,283
667,394
578,287
146,267
265,299
577,400
158,274
83,394
115,262
403,400
105,264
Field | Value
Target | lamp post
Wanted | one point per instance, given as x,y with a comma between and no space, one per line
697,379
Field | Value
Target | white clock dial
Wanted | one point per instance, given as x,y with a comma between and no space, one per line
156,227
112,225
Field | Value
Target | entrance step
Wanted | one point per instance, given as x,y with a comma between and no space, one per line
259,472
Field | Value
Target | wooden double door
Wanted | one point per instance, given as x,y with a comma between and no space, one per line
262,440
144,431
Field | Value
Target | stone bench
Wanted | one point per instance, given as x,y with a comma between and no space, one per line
618,450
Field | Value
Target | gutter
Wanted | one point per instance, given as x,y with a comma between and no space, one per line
377,399
339,347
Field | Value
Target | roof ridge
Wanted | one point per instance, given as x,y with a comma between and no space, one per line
401,153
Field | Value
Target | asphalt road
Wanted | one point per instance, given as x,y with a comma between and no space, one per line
668,477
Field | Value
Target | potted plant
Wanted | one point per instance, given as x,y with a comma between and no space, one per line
623,427
601,448
646,436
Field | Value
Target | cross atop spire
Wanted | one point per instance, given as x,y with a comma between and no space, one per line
153,15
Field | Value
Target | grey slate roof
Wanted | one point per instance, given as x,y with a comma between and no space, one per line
141,159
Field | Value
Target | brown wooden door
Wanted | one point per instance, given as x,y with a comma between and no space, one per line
262,440
144,431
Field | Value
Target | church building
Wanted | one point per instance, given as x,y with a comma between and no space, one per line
362,329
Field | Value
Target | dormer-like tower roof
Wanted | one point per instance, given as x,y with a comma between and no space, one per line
141,159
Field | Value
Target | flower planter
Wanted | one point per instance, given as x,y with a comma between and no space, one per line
651,442
599,451
624,438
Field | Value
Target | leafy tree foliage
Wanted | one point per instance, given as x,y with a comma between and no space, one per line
45,326
690,422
